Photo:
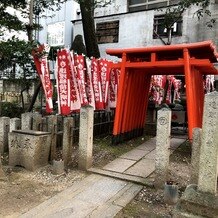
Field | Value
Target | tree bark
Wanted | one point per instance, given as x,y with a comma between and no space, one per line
86,7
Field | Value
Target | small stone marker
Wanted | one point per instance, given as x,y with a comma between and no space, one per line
29,148
15,124
52,128
162,146
86,137
26,120
4,129
196,144
36,121
209,147
67,140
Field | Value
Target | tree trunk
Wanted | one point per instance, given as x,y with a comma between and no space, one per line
33,100
86,7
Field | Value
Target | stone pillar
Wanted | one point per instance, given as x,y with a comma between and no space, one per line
196,144
52,128
26,121
15,124
86,137
67,140
2,173
209,147
4,130
36,121
162,146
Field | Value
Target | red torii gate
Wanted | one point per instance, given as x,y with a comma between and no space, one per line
138,65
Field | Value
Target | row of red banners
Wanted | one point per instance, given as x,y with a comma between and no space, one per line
80,81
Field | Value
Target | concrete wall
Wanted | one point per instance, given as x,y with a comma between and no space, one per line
135,29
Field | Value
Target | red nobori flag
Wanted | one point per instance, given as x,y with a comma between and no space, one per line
113,86
104,70
89,87
80,74
40,60
63,82
74,98
96,81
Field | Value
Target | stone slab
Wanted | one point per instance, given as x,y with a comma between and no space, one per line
119,165
94,196
151,155
176,142
148,145
135,154
143,168
122,176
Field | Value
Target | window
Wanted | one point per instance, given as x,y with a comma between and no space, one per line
161,30
107,32
55,34
140,5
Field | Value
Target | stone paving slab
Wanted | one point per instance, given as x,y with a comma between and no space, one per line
148,145
119,165
143,168
176,142
151,155
135,154
96,195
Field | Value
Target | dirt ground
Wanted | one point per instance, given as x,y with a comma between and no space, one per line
23,190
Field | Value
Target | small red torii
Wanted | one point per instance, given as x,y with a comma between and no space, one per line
192,60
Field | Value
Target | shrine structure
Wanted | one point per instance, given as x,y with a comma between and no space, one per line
138,65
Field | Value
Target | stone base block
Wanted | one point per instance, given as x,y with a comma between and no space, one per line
29,149
196,204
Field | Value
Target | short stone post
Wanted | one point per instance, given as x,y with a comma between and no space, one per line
36,121
2,173
196,144
15,124
209,147
52,128
4,130
162,146
26,121
86,137
67,140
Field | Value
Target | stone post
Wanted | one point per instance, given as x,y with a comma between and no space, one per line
4,130
86,137
36,121
26,121
162,146
15,124
209,147
2,173
52,128
67,140
196,144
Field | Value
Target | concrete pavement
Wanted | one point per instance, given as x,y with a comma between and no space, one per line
106,194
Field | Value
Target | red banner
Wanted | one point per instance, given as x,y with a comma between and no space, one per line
80,67
41,63
104,75
75,98
96,84
89,87
63,82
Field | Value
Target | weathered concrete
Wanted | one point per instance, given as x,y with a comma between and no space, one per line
95,196
196,144
29,148
36,121
4,130
162,146
52,128
209,147
194,203
2,173
26,120
67,140
15,124
86,137
119,165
